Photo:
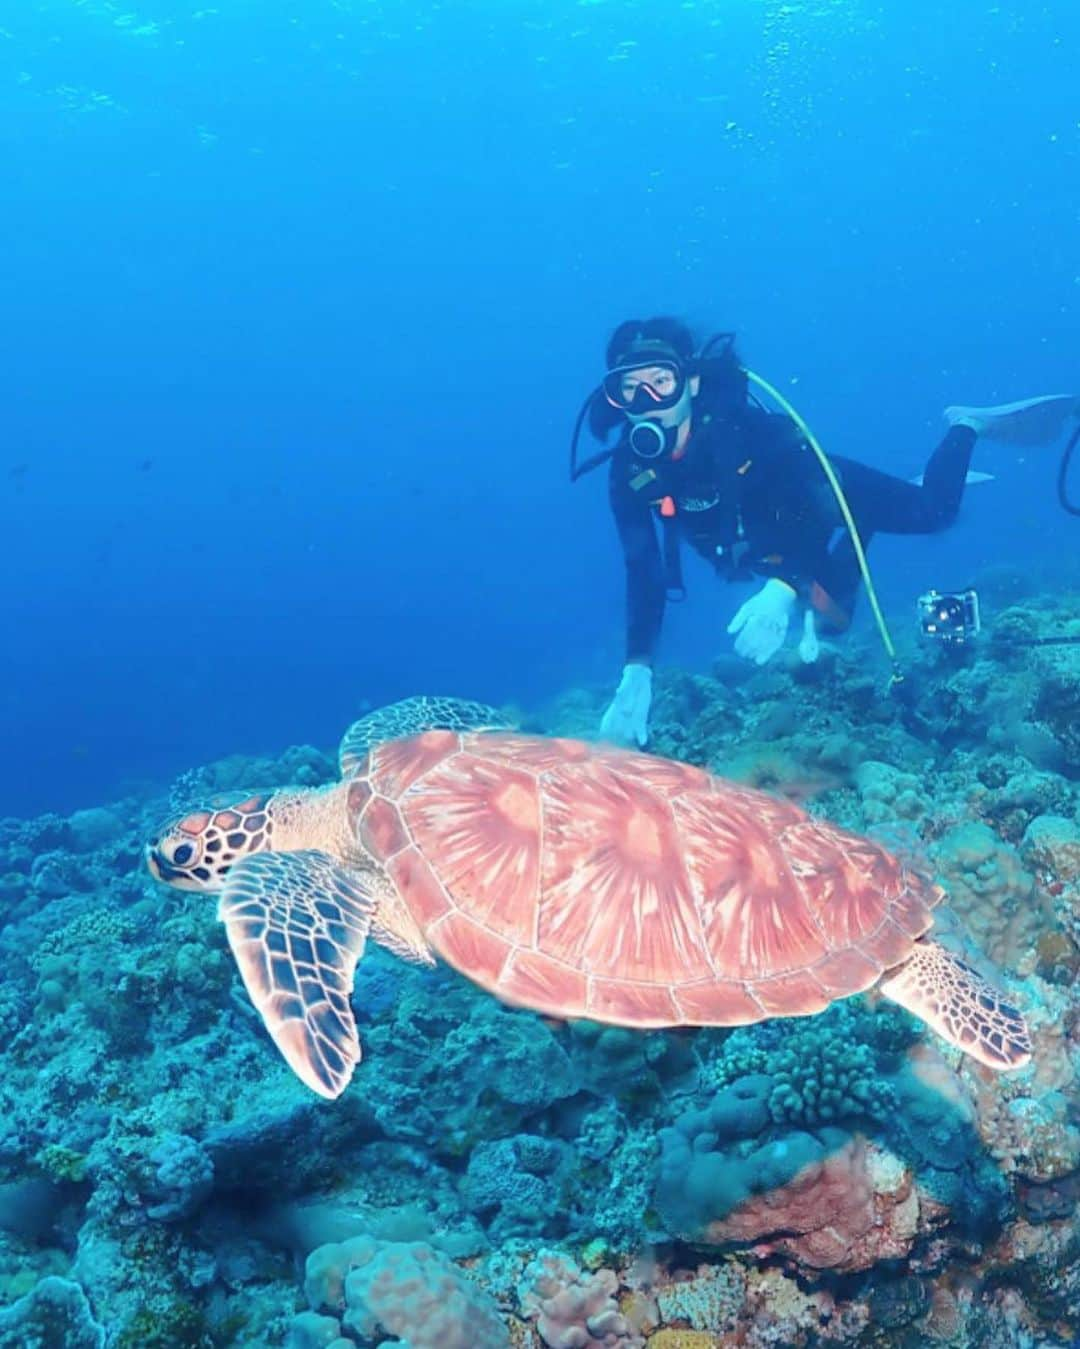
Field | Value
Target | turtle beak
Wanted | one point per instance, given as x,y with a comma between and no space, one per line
158,867
179,877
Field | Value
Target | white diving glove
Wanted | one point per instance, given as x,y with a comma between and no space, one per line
762,622
626,721
809,646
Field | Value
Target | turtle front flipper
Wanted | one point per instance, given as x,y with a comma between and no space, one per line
297,923
953,999
413,716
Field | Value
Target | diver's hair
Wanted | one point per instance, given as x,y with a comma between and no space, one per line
671,331
723,369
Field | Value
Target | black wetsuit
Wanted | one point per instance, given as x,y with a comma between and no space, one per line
750,496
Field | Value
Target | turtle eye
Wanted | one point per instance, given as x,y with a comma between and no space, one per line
183,853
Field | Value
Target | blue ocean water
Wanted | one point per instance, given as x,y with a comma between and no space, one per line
300,301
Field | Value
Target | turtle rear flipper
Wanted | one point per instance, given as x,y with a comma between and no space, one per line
413,716
297,923
945,992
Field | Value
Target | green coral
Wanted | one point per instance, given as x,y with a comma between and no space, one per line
62,1164
595,1253
175,1324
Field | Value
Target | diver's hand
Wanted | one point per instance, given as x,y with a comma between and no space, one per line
626,721
809,646
762,622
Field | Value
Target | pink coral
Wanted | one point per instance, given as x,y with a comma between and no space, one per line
1029,1135
783,1314
574,1309
405,1289
854,1207
1024,1119
930,1069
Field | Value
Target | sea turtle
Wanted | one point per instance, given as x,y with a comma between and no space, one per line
576,879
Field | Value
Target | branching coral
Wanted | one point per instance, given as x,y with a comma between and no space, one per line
574,1309
821,1070
820,1079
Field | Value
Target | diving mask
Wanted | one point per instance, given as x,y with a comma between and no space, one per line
653,391
644,385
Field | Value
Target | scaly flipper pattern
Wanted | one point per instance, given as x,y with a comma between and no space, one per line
412,716
297,923
953,999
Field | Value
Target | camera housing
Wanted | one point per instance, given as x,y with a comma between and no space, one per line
950,616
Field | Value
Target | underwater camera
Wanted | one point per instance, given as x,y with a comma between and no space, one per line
950,616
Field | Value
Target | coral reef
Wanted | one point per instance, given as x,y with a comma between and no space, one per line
494,1178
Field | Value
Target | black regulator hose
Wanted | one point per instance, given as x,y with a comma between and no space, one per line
1063,473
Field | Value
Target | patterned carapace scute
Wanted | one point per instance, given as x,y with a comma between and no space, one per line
413,716
587,881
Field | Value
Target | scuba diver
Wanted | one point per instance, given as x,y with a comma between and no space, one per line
699,458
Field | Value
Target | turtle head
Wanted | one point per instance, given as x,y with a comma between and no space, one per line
197,851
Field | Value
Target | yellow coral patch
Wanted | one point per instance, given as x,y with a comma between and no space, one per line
682,1339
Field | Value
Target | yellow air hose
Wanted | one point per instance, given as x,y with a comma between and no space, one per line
845,511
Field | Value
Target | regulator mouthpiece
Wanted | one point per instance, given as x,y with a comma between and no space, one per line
649,440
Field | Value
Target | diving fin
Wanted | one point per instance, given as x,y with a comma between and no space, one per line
973,477
1031,421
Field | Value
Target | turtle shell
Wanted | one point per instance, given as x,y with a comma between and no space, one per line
587,881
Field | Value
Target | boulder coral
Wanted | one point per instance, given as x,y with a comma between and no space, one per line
993,893
408,1290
